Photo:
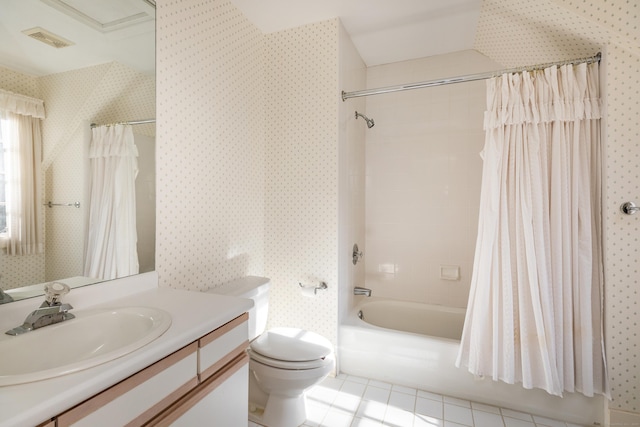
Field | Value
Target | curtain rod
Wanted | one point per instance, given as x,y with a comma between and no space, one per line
133,122
461,79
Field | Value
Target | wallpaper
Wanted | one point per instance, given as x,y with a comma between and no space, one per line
210,145
301,186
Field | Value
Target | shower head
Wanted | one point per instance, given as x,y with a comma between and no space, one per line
369,121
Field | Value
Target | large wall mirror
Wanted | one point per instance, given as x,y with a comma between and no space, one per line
90,62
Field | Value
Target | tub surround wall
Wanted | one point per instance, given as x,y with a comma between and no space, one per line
351,191
423,179
519,32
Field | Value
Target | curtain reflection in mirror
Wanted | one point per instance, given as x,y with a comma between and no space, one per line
111,250
21,195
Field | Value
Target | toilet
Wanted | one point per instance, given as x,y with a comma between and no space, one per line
284,362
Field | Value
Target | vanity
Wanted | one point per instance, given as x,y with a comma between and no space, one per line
194,373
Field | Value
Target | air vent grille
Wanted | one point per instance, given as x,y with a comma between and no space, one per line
48,37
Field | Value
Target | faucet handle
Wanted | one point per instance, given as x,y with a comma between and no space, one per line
54,292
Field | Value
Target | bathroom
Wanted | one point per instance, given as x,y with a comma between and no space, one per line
274,184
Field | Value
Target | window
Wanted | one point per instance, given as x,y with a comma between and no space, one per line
3,186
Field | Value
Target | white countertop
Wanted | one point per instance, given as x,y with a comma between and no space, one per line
194,314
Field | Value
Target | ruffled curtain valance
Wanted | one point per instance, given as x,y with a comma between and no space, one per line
563,94
21,104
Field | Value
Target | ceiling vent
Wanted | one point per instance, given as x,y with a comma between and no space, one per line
48,37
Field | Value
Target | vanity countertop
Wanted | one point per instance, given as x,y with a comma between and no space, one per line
194,314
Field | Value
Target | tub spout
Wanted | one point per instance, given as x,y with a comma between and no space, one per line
362,291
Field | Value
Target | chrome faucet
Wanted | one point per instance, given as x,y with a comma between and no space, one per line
362,291
51,311
4,297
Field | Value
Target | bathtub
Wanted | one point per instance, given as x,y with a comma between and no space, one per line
416,345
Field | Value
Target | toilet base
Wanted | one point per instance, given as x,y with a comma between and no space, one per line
280,411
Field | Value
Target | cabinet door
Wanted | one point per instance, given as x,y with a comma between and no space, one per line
219,347
220,401
139,397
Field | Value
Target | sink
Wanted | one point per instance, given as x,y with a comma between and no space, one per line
92,338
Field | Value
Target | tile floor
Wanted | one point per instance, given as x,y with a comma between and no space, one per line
348,401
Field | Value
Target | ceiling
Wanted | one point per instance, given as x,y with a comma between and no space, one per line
383,31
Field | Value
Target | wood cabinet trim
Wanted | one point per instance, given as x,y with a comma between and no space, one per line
96,402
212,336
211,370
188,401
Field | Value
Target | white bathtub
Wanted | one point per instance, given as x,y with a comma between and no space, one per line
416,345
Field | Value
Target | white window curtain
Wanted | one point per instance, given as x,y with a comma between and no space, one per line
535,307
112,237
21,119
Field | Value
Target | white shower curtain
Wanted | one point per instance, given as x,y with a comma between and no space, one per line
535,307
112,237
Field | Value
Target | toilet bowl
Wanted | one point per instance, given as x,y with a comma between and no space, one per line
284,362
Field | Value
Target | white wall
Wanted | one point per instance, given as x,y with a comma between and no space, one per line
423,173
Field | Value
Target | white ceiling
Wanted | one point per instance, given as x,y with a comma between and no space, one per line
383,31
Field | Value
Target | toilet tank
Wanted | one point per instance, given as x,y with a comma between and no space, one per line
254,288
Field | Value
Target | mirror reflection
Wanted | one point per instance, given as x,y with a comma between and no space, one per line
104,73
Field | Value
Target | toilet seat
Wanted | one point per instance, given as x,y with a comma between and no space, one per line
291,348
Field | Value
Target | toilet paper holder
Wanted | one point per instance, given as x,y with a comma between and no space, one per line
316,288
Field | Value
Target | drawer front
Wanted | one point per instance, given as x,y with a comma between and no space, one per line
139,397
222,345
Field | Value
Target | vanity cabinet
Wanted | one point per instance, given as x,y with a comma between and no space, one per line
203,383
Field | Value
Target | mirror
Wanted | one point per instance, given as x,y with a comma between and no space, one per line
105,74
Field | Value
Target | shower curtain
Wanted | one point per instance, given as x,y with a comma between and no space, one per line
535,307
111,241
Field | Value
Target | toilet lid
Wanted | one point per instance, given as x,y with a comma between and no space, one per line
292,345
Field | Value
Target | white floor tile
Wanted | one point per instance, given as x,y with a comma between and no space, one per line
517,415
429,395
398,417
403,401
337,419
426,421
485,408
349,401
514,422
376,394
355,379
458,414
486,419
372,410
354,388
365,422
402,389
456,401
431,408
346,402
380,384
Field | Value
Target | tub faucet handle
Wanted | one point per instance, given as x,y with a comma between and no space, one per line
357,254
362,291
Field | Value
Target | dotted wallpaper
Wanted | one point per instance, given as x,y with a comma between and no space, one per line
301,157
521,32
210,145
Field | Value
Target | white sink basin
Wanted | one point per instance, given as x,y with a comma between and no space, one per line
92,338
